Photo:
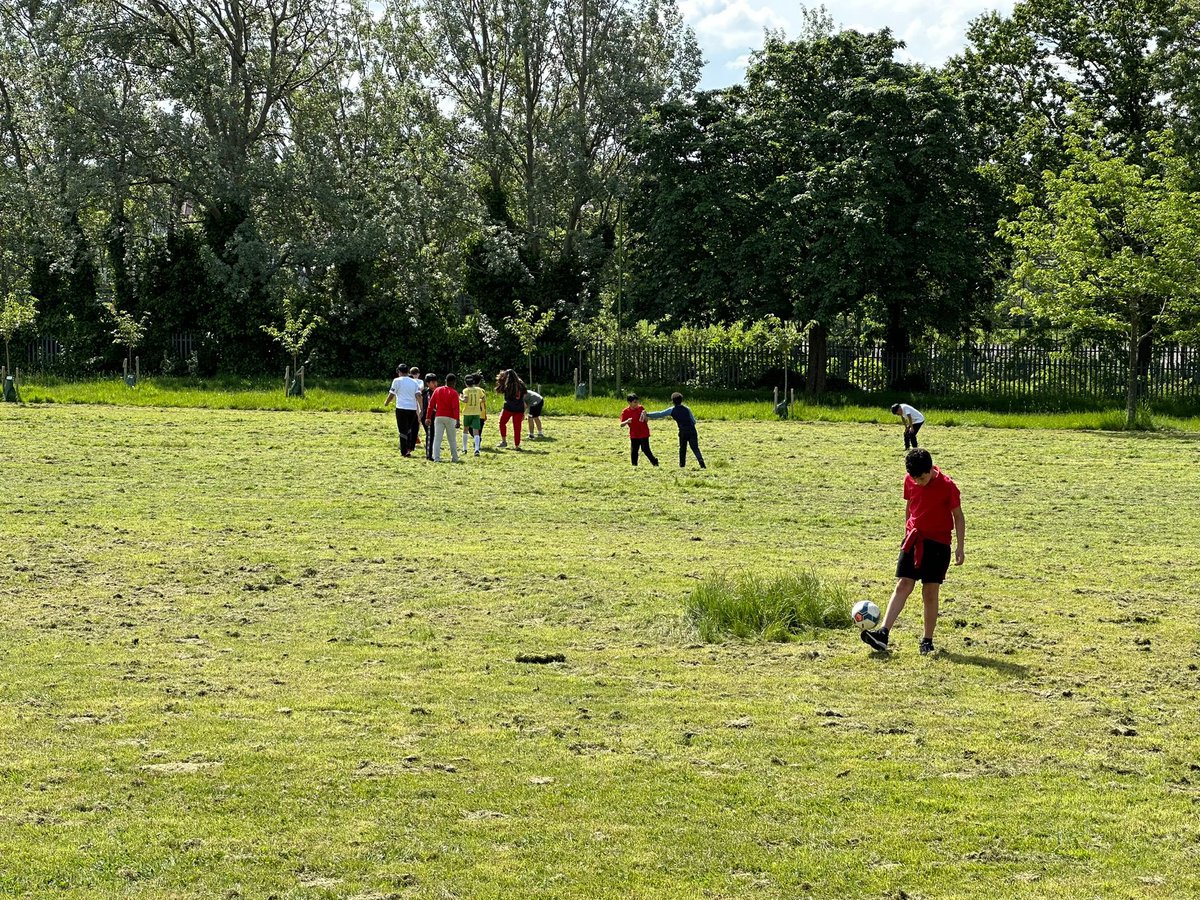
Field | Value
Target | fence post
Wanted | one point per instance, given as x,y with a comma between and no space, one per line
287,379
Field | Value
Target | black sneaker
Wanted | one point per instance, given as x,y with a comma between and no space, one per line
926,646
876,640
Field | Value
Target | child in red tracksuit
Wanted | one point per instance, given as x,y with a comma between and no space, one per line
633,417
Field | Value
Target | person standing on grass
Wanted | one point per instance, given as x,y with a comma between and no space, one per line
474,412
406,393
534,404
509,384
686,421
431,383
933,509
633,417
912,419
444,412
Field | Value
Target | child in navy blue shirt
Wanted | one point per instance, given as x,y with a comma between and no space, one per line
687,428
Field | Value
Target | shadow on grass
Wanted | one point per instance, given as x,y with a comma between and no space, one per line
987,662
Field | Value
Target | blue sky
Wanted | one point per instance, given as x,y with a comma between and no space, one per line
729,29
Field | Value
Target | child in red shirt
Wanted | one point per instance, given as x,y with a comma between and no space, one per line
633,417
444,415
933,509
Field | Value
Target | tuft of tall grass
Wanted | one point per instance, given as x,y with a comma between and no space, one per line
752,607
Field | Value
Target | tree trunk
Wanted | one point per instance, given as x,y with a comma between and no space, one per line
1131,378
818,359
895,353
1144,354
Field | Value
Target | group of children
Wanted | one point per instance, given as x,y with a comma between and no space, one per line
441,411
933,511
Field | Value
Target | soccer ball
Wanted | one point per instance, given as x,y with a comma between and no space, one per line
865,614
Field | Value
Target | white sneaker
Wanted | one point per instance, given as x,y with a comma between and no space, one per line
502,445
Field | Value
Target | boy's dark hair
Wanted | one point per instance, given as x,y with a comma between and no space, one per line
917,462
677,398
895,407
429,376
402,369
631,397
451,380
470,380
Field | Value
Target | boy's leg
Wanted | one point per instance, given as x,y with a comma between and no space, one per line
929,597
682,449
634,445
915,429
904,587
452,428
517,418
649,454
439,430
694,441
505,415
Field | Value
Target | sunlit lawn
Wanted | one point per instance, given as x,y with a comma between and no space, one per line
255,653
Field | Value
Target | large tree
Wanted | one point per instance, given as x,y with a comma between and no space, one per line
838,181
1112,250
1129,65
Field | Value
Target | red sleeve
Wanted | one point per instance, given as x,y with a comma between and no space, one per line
908,482
954,499
626,415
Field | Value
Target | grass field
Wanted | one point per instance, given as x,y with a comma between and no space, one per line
362,395
254,654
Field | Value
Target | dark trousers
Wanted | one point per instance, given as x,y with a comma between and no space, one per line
428,438
690,440
910,436
643,444
408,424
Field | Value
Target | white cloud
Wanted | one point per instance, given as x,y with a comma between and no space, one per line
727,29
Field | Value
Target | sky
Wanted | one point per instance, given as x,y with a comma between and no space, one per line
729,29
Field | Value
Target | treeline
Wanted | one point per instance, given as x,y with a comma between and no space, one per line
432,179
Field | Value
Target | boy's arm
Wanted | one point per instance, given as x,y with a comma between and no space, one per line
960,531
390,397
661,414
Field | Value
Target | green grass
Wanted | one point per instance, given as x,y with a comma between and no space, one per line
773,609
254,654
362,395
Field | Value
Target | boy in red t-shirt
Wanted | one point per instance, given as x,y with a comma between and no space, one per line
633,417
933,509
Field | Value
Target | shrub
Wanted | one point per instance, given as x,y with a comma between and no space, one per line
778,609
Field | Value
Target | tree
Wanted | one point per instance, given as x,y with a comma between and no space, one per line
18,311
527,326
837,182
298,327
1130,66
1113,251
783,337
127,331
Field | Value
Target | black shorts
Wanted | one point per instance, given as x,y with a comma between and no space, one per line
935,562
535,411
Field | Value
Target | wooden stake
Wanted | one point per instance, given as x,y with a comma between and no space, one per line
287,379
302,381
